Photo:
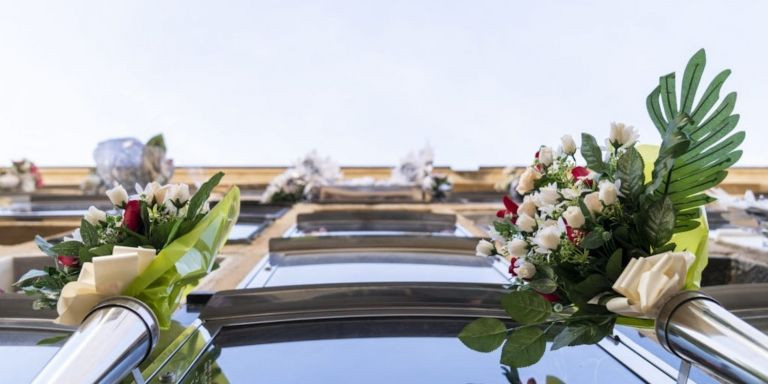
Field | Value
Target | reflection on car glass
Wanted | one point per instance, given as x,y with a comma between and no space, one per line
409,350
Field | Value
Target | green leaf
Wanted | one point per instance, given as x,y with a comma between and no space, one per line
526,307
629,170
592,153
157,141
659,222
89,233
102,250
683,172
53,340
524,347
85,255
484,335
594,239
654,110
68,248
202,195
45,246
691,79
668,97
615,265
552,380
31,275
590,287
546,285
569,335
710,96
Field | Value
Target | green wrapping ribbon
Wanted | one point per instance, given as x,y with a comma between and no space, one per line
696,241
178,268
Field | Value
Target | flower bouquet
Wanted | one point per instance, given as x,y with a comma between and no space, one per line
155,247
418,169
609,241
126,161
299,182
23,175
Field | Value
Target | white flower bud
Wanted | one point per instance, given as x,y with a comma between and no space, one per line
545,156
593,203
178,194
148,192
526,270
569,145
118,196
484,248
608,194
95,215
526,223
622,136
517,248
528,207
527,180
574,217
161,193
548,237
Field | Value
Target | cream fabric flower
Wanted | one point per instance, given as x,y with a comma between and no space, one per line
646,283
104,277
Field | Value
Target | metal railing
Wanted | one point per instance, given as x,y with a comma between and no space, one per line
115,337
696,328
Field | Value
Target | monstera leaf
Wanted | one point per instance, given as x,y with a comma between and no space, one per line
706,134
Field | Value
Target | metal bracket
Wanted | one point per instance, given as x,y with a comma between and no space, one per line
683,372
137,377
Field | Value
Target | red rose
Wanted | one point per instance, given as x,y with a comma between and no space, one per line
68,261
510,209
132,215
551,297
512,262
582,173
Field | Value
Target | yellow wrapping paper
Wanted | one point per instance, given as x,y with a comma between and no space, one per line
178,268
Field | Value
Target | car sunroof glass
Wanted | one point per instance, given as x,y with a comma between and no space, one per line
388,351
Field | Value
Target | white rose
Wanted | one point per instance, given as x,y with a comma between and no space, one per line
517,248
545,156
527,179
569,145
484,248
593,203
526,270
574,217
178,194
622,136
607,191
162,193
95,215
526,223
547,195
528,207
148,192
118,196
548,237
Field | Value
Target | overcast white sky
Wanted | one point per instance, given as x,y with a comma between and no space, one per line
262,82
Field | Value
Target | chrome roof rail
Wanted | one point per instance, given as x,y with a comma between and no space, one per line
696,328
